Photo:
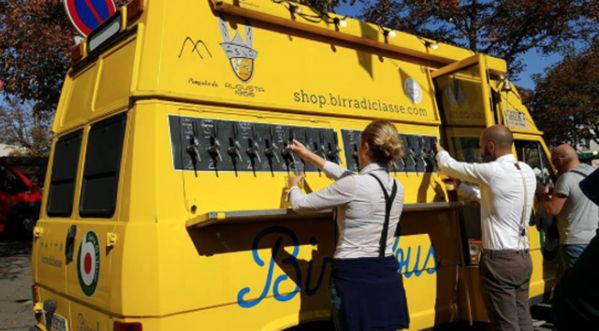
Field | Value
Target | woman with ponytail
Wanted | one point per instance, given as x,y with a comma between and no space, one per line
366,286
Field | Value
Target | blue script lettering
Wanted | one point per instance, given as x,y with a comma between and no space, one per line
291,264
404,259
291,260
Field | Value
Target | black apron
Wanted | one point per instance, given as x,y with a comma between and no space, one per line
371,289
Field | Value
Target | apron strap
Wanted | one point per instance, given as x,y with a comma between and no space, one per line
388,204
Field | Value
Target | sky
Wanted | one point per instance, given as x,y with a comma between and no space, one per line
536,63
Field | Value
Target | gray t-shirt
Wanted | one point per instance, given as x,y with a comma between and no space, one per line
579,218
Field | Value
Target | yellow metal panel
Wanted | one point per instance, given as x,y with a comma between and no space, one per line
495,65
514,112
275,74
462,97
115,78
80,91
352,30
486,101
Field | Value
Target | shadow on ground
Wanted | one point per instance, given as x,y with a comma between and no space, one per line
15,257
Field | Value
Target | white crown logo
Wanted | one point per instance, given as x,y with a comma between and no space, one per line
241,54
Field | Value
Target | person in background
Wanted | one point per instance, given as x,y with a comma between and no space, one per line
576,296
577,217
366,286
507,189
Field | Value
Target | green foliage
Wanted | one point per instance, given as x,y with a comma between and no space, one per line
504,28
566,101
35,39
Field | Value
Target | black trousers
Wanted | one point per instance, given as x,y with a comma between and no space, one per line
505,276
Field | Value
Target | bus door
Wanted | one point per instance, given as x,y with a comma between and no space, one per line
542,233
464,99
463,94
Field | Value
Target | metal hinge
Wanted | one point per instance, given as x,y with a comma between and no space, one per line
111,238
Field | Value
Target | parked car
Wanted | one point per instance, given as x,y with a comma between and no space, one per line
20,201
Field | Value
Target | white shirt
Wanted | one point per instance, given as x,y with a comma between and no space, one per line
361,212
501,197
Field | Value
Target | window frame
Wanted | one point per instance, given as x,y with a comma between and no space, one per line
109,211
78,134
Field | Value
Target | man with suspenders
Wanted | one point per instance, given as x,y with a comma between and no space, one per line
507,189
577,216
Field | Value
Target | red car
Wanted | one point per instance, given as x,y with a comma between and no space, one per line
20,201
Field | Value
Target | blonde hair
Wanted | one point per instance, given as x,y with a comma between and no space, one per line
384,143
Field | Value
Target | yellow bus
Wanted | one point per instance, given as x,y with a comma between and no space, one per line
165,203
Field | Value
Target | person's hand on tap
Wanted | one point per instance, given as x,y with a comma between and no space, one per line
298,149
305,154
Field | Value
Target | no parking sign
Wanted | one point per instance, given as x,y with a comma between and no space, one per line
86,15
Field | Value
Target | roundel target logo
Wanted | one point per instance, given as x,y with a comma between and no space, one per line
88,263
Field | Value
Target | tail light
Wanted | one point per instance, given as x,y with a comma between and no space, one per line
134,10
37,303
35,294
127,326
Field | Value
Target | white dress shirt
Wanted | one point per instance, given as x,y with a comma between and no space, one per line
361,208
501,197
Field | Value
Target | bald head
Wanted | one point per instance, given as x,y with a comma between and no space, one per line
500,135
495,142
566,152
564,158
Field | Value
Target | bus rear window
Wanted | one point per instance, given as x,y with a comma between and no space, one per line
102,164
64,171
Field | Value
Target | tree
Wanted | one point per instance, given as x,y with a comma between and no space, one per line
566,101
23,127
35,39
504,28
324,5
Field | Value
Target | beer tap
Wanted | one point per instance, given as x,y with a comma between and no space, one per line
329,152
193,151
270,151
333,152
412,155
252,151
234,150
394,167
355,157
404,166
214,150
306,140
423,153
319,149
287,154
432,153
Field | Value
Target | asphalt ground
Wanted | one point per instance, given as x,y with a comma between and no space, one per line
16,311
